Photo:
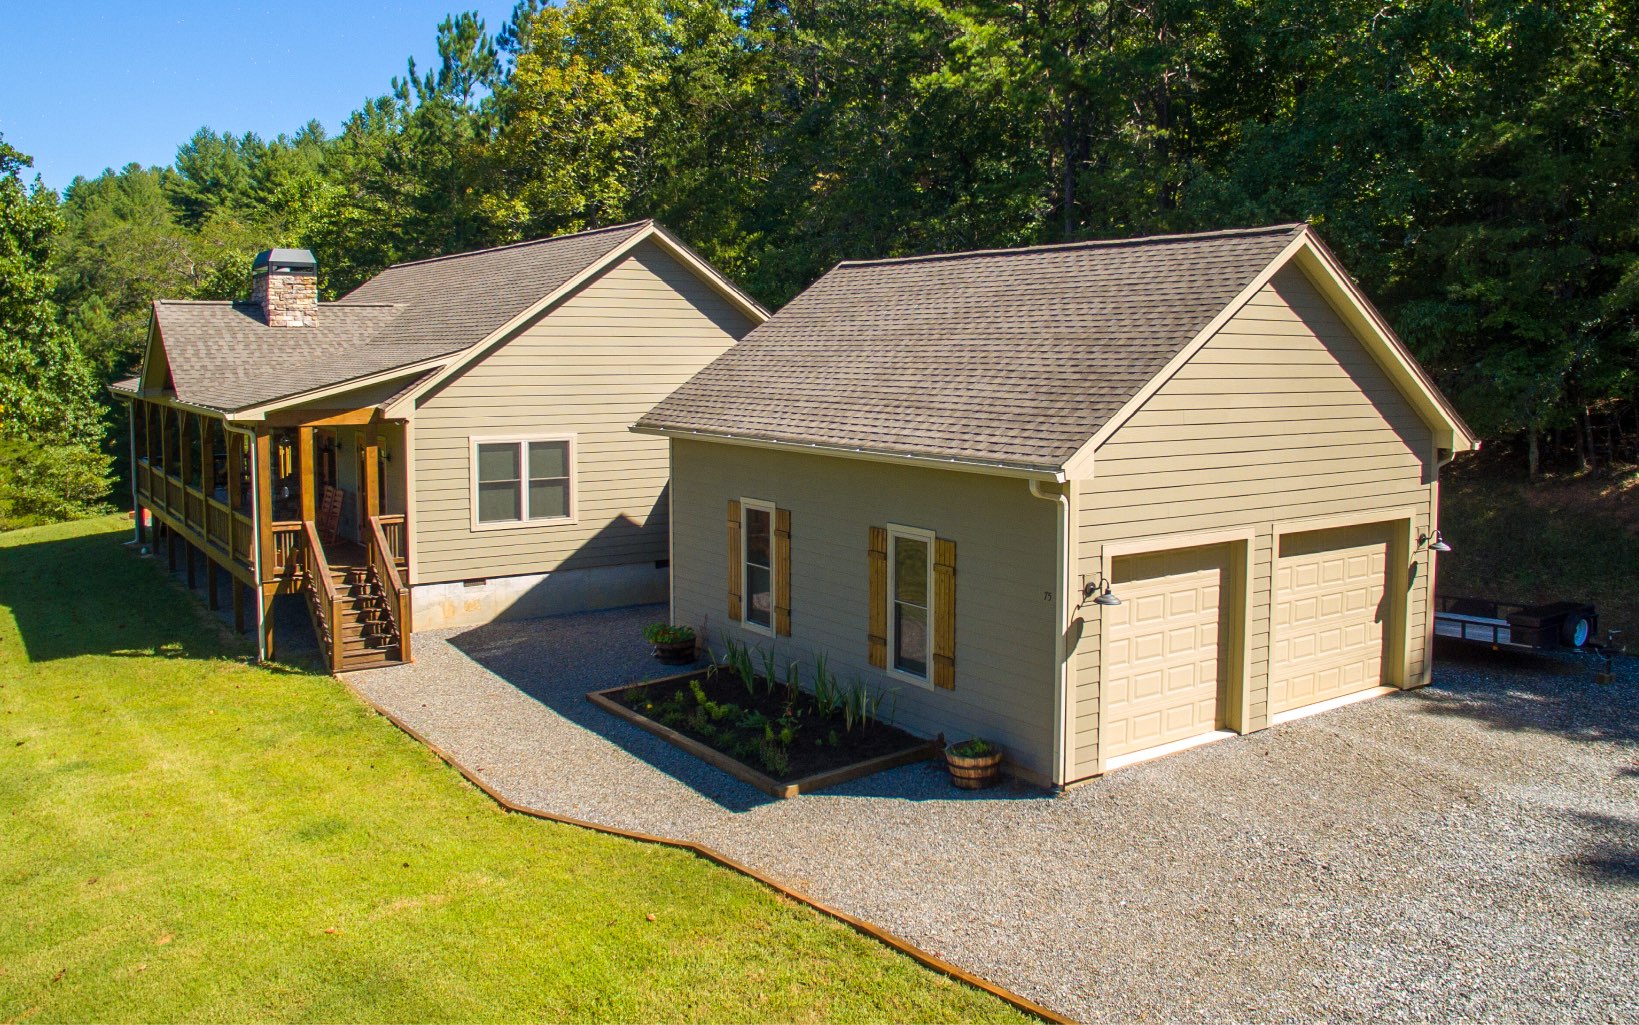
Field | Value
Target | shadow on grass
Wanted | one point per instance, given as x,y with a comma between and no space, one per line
86,594
558,660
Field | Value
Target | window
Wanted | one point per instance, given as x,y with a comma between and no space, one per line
758,555
519,480
910,591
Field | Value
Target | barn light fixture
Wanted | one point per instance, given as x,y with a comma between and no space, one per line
1434,544
1099,591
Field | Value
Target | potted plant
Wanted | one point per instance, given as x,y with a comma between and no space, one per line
673,645
974,764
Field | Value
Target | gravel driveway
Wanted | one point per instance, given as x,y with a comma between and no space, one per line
1468,851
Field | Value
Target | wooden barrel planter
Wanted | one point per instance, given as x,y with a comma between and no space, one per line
675,653
974,772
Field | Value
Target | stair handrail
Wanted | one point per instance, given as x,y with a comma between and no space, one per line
395,596
322,602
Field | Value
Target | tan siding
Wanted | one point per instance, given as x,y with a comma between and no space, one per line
1005,554
590,367
1283,415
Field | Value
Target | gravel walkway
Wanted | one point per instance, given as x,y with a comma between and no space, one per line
1466,852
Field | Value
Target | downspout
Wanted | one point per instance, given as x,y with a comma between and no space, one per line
1061,695
255,529
131,443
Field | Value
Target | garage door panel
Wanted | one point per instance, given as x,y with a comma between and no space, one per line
1162,645
1331,615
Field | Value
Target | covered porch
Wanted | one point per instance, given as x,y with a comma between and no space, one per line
305,502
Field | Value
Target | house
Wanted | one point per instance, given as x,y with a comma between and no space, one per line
1094,501
446,444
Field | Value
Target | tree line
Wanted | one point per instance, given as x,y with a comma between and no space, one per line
1473,162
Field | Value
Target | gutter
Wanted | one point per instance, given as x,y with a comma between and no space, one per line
1046,474
1061,674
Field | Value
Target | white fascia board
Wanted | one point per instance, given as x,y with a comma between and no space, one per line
1334,284
1080,465
651,232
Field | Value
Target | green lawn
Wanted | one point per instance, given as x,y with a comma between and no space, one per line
187,836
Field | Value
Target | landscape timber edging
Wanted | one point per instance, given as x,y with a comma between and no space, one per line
717,857
605,700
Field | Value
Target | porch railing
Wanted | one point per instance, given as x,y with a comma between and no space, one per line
393,537
384,568
287,547
218,524
244,531
322,603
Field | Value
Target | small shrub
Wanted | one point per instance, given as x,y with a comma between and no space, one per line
974,748
42,483
665,633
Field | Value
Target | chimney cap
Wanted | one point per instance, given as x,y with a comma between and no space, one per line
297,260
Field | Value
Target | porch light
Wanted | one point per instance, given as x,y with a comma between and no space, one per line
1099,591
1434,544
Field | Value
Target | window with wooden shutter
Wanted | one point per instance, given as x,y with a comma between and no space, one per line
944,614
879,597
782,572
734,556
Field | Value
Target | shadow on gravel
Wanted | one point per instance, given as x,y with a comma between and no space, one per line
558,660
1541,693
1612,853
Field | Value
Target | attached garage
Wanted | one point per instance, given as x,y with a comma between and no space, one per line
1167,648
1336,618
1198,475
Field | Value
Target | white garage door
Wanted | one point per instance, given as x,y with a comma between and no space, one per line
1331,615
1163,649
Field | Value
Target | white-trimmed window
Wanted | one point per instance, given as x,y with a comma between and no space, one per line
910,603
757,558
521,481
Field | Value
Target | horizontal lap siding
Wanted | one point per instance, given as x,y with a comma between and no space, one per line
1005,554
1283,415
591,367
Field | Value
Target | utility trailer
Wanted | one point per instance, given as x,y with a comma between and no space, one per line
1556,626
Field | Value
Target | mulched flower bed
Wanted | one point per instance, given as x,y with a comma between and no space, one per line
780,731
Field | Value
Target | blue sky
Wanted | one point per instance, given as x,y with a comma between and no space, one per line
94,85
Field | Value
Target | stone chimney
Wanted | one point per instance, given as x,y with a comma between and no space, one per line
285,284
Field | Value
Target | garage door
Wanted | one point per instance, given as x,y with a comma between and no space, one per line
1331,615
1163,649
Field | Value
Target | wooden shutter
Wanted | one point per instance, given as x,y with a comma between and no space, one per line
879,597
734,568
782,572
944,614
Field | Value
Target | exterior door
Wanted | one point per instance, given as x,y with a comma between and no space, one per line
1165,647
1331,615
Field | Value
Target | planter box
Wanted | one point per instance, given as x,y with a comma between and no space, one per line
608,700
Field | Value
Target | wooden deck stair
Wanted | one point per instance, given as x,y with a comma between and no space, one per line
368,638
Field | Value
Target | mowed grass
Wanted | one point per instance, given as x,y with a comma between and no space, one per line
186,836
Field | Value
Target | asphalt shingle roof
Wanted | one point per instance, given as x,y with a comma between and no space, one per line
1009,357
224,357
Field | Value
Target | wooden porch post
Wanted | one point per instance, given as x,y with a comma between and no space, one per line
188,552
372,474
182,453
308,472
163,461
238,604
170,548
262,468
236,470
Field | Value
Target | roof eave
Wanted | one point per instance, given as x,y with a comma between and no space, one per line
1022,471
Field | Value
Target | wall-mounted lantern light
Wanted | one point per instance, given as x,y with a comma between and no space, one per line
1099,592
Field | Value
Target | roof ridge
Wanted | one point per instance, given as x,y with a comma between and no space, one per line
344,303
1272,229
520,245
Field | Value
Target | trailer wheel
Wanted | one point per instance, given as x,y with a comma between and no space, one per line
1575,630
